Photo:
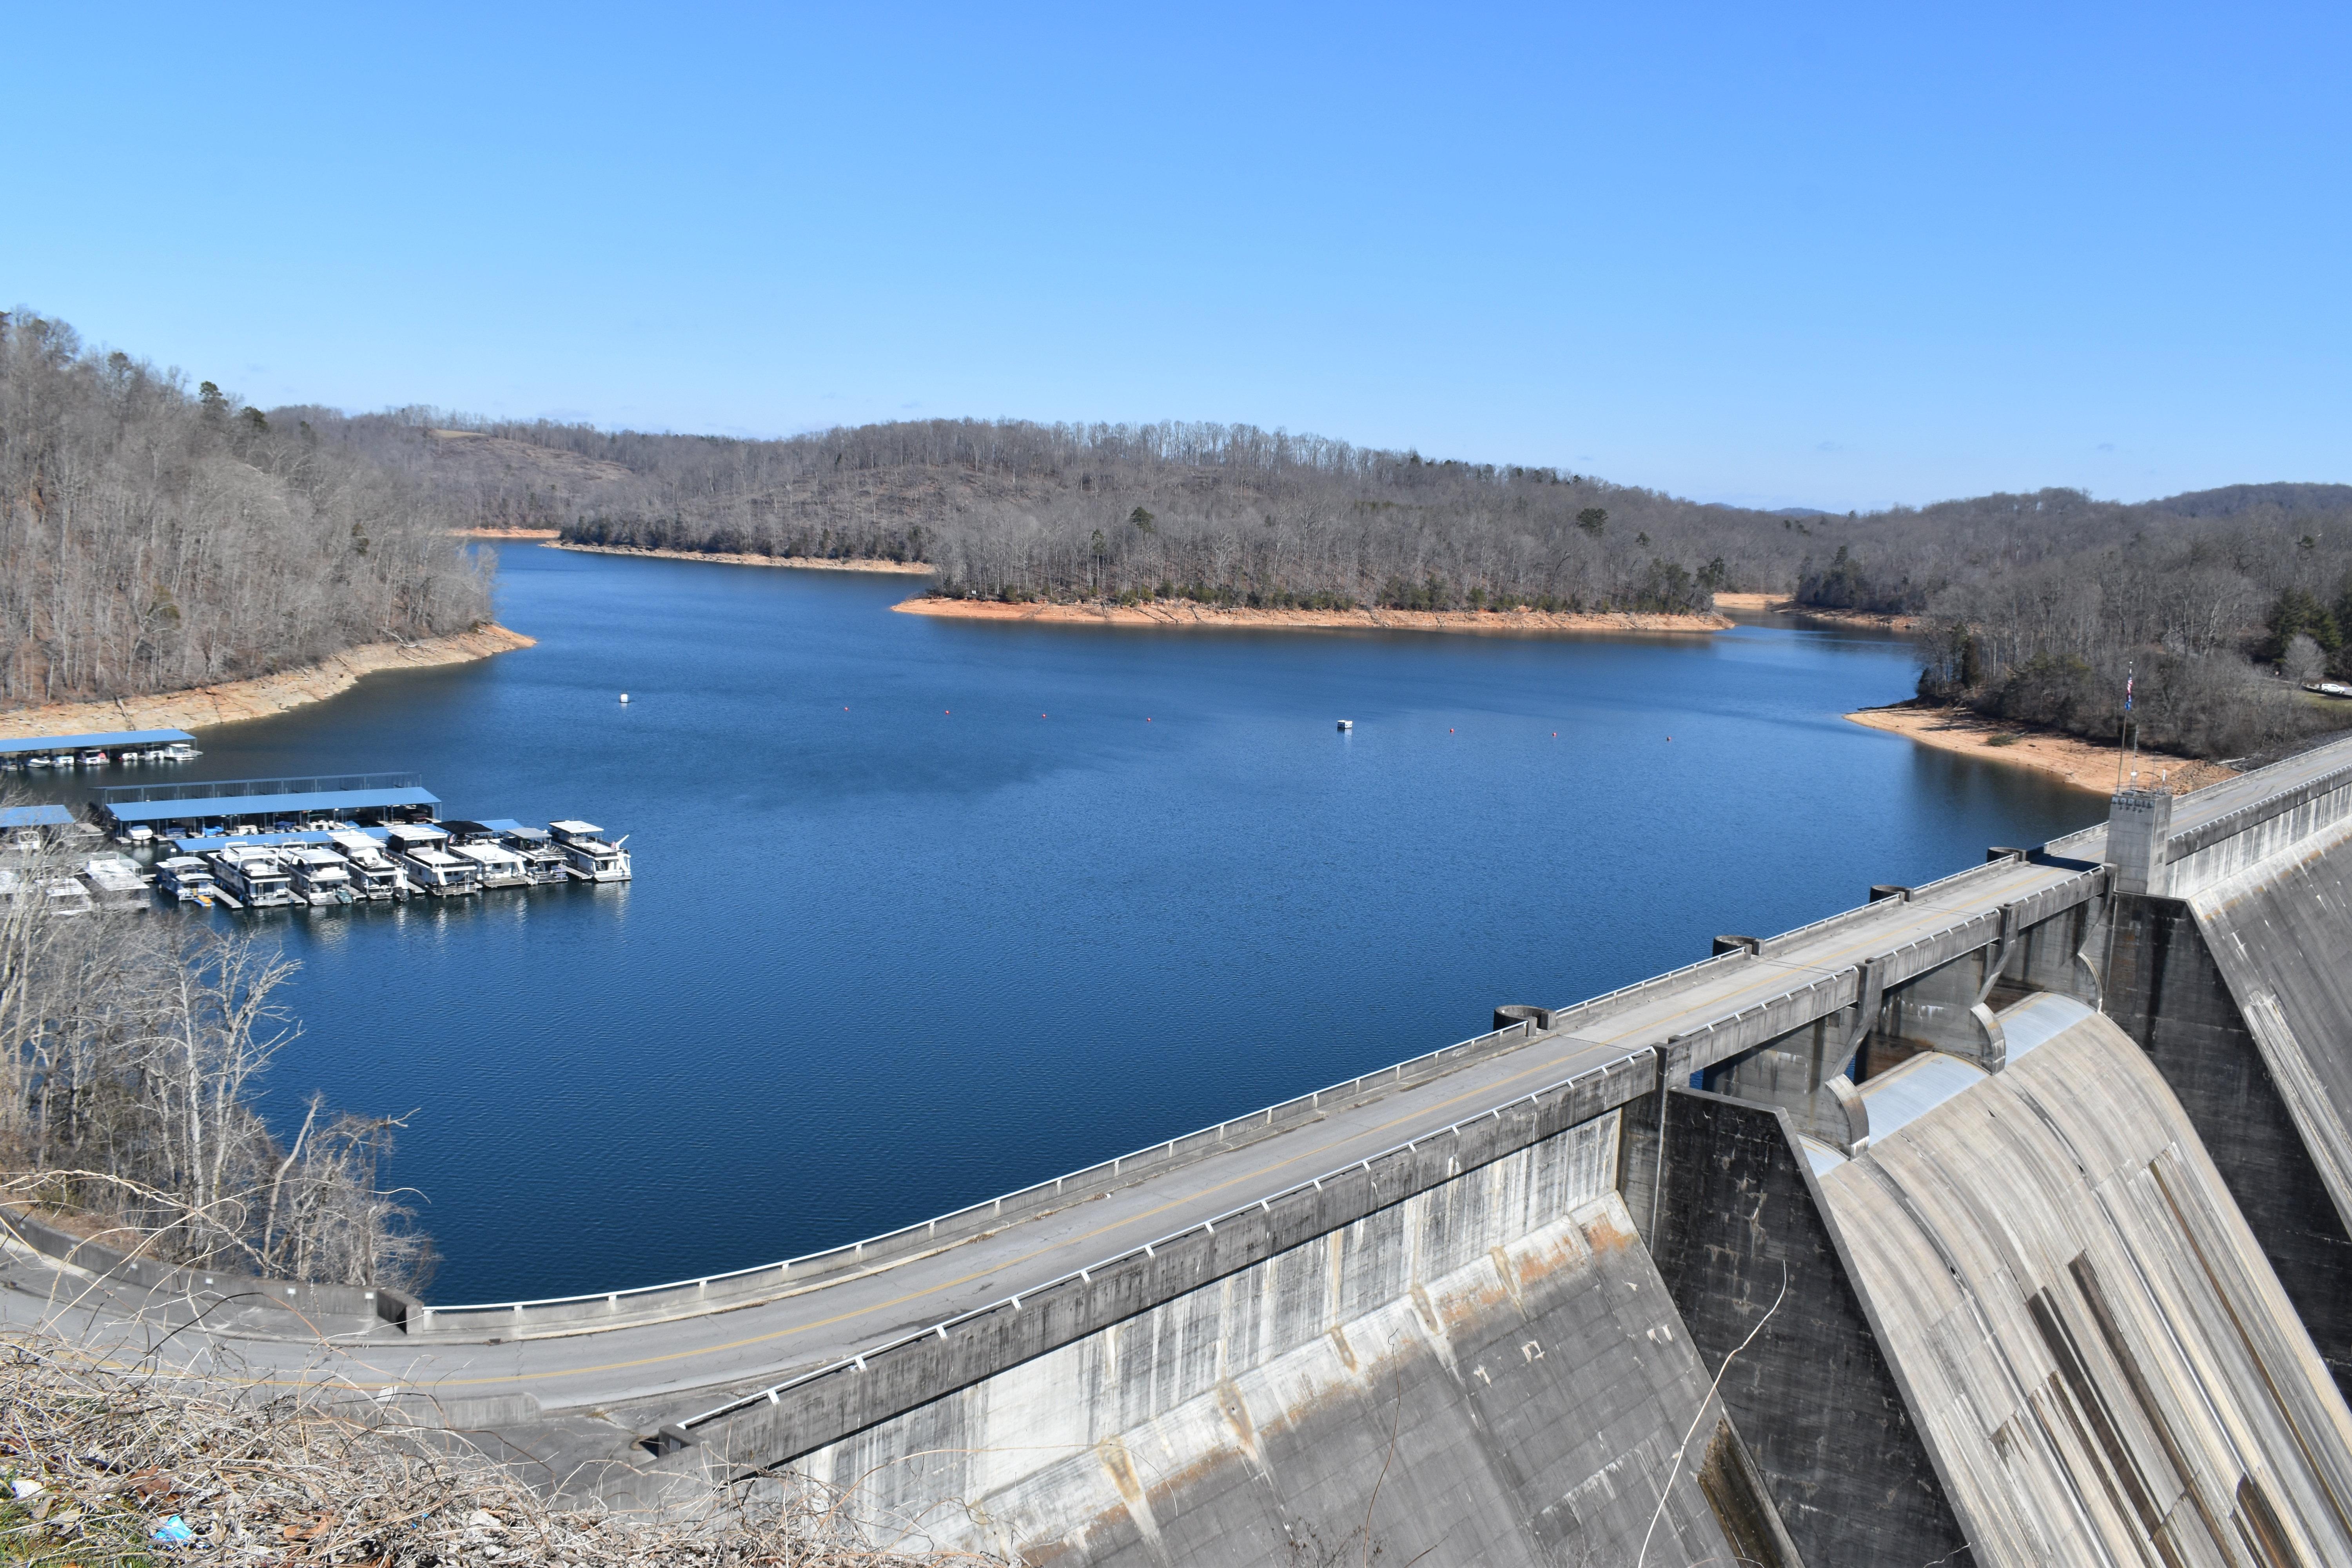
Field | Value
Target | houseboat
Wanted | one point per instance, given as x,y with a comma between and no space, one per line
441,873
542,862
66,896
374,874
586,855
320,875
254,875
500,866
422,851
187,879
115,879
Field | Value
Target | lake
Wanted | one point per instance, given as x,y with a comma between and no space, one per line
926,910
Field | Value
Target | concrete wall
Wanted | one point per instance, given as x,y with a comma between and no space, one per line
2229,845
2098,1355
1489,1371
2169,994
177,1295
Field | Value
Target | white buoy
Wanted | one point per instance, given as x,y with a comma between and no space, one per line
624,697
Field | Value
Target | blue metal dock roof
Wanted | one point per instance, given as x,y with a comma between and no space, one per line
203,808
35,817
100,740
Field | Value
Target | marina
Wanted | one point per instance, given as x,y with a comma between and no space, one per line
313,843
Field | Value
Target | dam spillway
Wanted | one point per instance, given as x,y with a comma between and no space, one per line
1998,1220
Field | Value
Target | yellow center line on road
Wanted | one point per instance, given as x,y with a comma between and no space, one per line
1549,1065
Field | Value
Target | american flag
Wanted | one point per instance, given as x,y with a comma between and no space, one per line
2127,688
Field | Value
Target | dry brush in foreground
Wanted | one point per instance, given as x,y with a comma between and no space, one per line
271,1478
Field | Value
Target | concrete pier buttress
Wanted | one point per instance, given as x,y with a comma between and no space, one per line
1490,1372
1759,1277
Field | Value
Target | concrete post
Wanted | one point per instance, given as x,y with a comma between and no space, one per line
2139,826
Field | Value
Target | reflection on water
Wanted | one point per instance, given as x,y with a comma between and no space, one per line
924,911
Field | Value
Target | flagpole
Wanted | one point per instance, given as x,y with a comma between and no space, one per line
2124,729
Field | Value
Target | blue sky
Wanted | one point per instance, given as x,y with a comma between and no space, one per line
1836,256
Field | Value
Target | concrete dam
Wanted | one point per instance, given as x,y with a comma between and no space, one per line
1998,1220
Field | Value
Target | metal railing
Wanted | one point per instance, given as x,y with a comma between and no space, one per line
913,1239
232,789
1145,1250
1155,1156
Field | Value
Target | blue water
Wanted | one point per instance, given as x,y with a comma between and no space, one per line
928,909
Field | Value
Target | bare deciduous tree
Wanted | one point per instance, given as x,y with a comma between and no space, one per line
131,1054
150,541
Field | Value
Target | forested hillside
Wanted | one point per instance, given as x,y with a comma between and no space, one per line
1012,510
154,539
2035,608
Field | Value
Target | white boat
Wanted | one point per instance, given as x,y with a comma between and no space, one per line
116,878
187,879
441,873
177,752
66,896
586,855
320,875
542,861
1346,724
93,759
374,873
499,867
254,875
40,760
137,834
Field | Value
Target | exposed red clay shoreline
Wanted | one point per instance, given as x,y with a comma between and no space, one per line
1183,612
2077,761
804,562
1781,605
260,697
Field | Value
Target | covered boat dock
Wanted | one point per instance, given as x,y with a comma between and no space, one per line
102,741
182,810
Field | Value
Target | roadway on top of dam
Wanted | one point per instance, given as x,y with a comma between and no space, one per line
850,1312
